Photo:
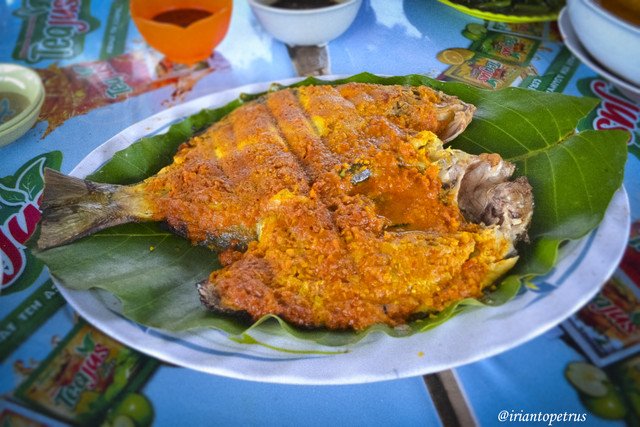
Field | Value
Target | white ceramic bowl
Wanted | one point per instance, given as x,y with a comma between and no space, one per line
612,41
305,27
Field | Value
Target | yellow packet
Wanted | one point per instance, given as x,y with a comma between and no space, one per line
485,72
83,376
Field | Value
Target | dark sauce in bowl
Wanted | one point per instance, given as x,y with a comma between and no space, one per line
11,104
303,4
181,17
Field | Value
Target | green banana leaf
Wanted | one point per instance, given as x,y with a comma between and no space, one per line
154,272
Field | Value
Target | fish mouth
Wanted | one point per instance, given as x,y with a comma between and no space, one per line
210,299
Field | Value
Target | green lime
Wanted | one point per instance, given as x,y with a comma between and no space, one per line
587,378
137,407
471,36
478,29
610,406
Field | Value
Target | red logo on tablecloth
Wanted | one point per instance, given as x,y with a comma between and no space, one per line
17,229
615,112
19,215
13,235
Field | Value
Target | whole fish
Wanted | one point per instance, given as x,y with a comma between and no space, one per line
329,206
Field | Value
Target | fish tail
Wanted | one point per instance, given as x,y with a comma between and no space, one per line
73,208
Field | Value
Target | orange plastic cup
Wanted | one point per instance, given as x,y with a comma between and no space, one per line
179,44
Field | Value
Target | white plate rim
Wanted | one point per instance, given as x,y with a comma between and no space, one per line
574,281
572,42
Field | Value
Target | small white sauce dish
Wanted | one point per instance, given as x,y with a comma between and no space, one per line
305,27
609,39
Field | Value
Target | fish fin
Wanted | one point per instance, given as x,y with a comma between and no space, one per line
462,115
73,208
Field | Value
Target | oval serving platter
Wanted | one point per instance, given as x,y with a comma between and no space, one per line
471,336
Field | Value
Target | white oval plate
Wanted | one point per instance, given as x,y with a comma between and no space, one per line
584,266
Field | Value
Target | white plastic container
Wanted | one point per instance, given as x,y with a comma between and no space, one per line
305,27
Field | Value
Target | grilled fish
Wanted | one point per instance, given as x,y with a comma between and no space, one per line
329,206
